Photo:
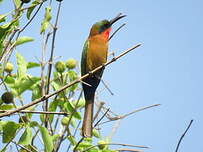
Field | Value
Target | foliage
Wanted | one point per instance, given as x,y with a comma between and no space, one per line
31,129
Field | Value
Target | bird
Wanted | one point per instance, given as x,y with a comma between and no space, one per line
94,54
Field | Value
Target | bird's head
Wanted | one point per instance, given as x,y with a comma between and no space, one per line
104,27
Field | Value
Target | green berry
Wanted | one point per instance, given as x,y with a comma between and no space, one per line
8,67
64,121
102,144
25,1
71,63
7,97
60,66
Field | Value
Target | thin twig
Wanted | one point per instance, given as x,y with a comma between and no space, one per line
38,112
114,129
123,116
138,110
99,107
183,135
51,61
101,118
74,134
18,31
21,146
106,86
41,99
59,141
137,146
76,146
128,150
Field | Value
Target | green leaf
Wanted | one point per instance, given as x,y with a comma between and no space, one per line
80,104
25,83
23,39
36,92
48,13
52,108
32,65
4,30
3,150
33,124
22,65
26,137
55,137
3,18
9,80
47,139
69,108
6,107
72,76
85,144
17,3
96,133
1,1
9,131
31,8
46,20
72,140
2,123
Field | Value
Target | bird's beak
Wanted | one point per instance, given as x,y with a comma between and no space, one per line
118,17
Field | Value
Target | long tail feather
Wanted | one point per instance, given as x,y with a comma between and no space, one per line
88,118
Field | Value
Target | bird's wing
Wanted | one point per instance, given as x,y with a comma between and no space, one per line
84,58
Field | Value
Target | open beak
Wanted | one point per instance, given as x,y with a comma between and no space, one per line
118,17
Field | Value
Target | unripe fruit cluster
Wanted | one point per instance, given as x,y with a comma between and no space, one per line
61,66
71,63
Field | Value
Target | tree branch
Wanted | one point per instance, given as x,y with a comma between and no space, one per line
51,61
183,135
38,112
45,97
137,146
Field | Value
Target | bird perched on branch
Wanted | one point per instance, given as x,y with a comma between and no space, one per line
94,54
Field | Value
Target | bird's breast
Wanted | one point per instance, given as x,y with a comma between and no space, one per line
97,52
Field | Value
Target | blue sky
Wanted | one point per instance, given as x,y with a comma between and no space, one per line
166,69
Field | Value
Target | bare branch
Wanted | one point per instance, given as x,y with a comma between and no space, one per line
76,146
128,114
183,135
101,118
68,85
38,112
50,62
100,105
128,150
137,146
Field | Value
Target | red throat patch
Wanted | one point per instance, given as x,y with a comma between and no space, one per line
106,33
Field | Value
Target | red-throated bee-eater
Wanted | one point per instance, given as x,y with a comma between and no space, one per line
94,54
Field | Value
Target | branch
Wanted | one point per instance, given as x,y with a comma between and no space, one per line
128,150
125,115
99,108
76,146
51,62
38,112
137,146
101,118
45,97
183,135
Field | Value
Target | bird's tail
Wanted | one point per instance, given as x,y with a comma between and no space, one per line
88,118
